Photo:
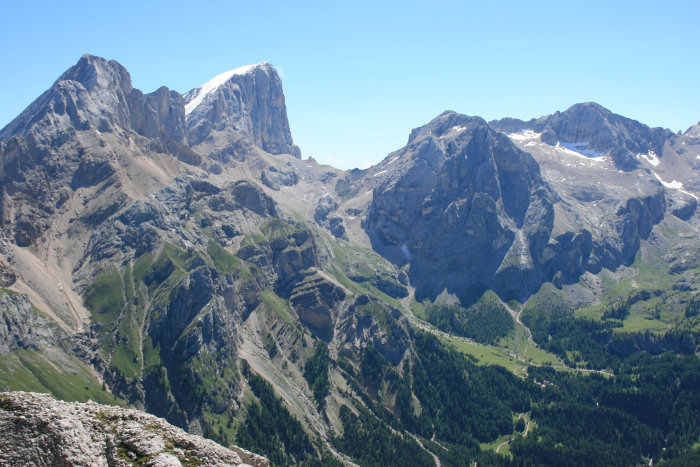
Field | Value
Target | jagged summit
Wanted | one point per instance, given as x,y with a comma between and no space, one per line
693,131
97,94
246,101
195,97
66,97
91,70
447,121
594,130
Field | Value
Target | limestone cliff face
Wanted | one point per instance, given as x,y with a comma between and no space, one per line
38,430
249,102
464,207
313,298
21,327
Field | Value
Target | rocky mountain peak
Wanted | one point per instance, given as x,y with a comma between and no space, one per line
447,121
693,131
196,96
91,71
594,131
246,101
589,107
97,94
462,187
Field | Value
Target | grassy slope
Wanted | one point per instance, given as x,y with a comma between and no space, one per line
52,371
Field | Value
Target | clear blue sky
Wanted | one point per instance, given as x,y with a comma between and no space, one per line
358,76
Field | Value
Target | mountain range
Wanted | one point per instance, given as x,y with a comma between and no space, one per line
176,253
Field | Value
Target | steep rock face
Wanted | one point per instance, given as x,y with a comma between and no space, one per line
7,262
254,199
21,327
464,207
247,101
593,129
693,131
369,322
38,430
313,299
637,217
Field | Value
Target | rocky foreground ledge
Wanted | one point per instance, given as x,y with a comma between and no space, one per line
36,429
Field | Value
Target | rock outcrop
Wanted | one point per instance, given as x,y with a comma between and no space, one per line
326,215
37,430
22,327
313,299
81,133
276,178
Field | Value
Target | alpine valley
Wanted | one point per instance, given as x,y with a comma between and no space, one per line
492,293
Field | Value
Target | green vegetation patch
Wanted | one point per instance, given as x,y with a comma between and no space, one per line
209,376
316,373
370,442
105,297
279,306
486,321
142,265
173,253
61,375
224,260
545,307
277,228
269,429
127,355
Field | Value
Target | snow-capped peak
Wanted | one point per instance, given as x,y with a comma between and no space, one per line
213,84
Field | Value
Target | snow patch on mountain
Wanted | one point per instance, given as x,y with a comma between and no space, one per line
674,185
213,84
650,158
578,147
566,148
525,135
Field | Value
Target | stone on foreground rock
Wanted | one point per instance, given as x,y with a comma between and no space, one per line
36,429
